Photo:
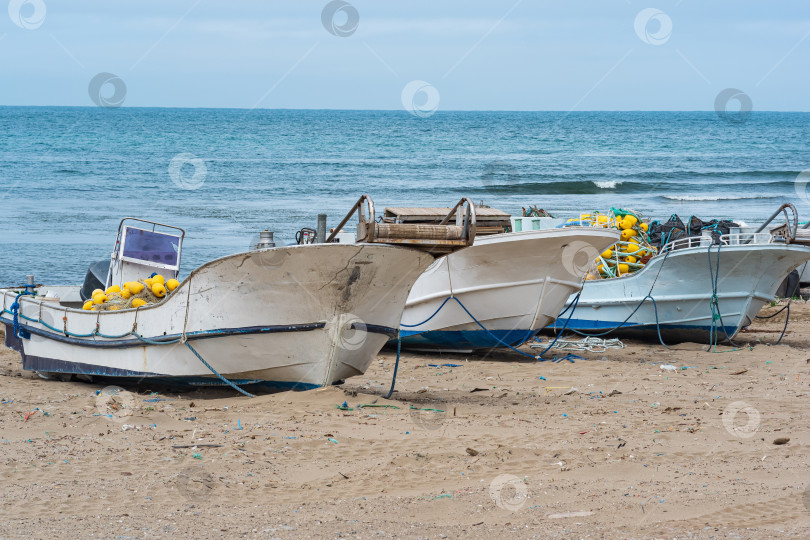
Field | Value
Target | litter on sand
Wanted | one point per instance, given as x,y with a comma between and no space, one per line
586,344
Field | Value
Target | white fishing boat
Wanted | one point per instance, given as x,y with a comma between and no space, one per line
501,291
298,316
701,289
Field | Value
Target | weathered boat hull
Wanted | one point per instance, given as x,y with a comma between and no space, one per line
297,316
681,284
514,284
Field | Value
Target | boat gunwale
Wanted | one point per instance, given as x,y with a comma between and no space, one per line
695,250
523,235
66,309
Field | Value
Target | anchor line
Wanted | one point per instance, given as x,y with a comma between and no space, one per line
485,329
215,372
714,305
787,319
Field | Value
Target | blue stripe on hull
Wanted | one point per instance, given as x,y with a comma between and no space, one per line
124,343
124,376
584,325
463,339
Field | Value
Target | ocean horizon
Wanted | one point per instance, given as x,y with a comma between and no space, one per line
69,174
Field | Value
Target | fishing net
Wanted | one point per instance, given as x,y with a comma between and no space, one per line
628,255
117,301
673,229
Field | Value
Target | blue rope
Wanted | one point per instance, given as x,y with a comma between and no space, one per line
568,357
150,342
396,364
428,319
493,336
574,305
485,329
787,319
215,372
15,314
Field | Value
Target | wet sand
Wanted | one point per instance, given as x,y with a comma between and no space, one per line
606,447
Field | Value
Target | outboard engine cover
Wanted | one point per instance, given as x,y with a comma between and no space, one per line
95,279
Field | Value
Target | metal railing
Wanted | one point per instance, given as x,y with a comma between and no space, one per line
732,239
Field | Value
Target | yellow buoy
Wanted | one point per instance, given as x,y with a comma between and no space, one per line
627,234
601,219
99,299
135,287
95,292
138,302
159,279
629,221
172,284
644,227
87,305
112,289
623,269
159,290
607,254
125,293
631,247
149,282
630,259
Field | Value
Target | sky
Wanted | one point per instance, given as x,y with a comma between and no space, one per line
448,55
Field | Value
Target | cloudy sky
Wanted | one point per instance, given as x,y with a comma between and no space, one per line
475,55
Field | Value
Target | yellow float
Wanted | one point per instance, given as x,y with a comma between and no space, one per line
159,290
135,287
626,256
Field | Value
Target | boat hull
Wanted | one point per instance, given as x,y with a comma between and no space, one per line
514,285
296,316
681,284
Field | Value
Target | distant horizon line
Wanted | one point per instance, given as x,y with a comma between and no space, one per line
395,110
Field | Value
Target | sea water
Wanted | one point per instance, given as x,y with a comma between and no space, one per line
68,175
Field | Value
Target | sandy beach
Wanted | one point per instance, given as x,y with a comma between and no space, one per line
612,446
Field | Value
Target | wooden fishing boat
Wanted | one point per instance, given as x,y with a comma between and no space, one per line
298,316
694,289
501,291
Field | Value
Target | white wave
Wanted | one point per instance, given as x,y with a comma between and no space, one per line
607,184
716,197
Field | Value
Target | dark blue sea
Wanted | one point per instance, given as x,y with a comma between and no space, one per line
68,175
